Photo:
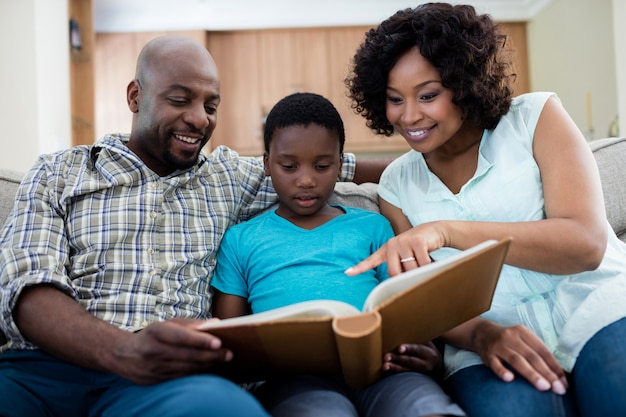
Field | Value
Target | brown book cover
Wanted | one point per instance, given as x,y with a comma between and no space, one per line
331,337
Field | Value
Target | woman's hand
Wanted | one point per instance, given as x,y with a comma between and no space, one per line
405,251
521,349
424,358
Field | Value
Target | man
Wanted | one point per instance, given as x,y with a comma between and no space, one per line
106,258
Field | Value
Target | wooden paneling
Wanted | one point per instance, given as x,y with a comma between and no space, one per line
292,61
239,115
343,43
258,68
288,61
115,58
82,74
516,32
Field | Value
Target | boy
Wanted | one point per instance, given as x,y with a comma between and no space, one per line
299,252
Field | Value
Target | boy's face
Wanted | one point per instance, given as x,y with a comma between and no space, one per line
304,163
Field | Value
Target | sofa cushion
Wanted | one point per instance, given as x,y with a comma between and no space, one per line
9,180
346,193
610,154
350,194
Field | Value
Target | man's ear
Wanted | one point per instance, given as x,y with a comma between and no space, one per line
266,164
132,95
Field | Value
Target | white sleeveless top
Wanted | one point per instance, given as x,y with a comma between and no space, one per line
565,311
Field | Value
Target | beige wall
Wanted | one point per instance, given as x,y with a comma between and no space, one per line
619,17
572,53
34,80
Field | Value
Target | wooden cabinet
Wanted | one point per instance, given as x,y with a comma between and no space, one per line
258,68
82,73
239,115
359,138
516,41
292,61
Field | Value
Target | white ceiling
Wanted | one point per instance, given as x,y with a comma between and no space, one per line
171,15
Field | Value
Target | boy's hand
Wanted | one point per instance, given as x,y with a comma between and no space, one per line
424,358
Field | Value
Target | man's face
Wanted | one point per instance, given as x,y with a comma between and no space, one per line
176,110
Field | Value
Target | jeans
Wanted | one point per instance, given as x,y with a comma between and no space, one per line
397,395
596,385
33,383
599,376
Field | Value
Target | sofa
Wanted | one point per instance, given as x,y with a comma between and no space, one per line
610,154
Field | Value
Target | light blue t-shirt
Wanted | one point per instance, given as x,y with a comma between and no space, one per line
273,263
565,311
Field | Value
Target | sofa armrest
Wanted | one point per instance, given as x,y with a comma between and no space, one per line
9,181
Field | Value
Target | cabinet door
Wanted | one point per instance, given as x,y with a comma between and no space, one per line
516,32
292,61
116,56
258,68
343,43
82,75
239,115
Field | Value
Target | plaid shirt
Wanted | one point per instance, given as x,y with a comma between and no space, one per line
128,245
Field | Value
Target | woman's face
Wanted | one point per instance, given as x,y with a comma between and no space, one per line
418,106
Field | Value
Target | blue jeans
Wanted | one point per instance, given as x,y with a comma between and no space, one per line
401,394
33,383
599,376
596,387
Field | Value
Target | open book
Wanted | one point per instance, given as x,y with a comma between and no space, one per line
326,336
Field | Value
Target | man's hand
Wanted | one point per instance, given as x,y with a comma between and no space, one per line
60,326
168,350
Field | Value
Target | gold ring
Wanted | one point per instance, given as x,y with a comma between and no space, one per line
412,258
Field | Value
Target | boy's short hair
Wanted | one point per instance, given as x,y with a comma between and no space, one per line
302,109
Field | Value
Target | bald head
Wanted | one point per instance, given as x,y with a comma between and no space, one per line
170,50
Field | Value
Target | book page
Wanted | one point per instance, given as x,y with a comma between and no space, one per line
394,285
303,310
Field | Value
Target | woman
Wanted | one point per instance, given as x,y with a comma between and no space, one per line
484,165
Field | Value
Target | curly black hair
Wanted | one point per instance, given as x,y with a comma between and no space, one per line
302,109
467,49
